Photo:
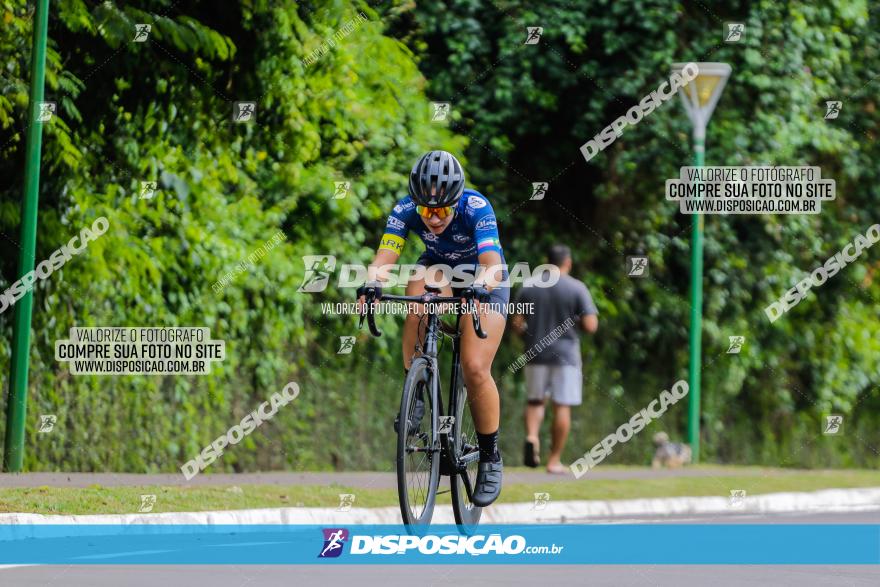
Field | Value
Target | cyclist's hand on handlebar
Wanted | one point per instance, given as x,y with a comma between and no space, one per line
479,293
370,292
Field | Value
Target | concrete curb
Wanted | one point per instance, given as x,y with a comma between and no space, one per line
830,500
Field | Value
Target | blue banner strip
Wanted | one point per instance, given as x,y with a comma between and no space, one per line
490,544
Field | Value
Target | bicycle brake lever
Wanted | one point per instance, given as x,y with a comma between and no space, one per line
476,318
371,321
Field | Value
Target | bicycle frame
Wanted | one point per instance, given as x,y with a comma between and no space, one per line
450,464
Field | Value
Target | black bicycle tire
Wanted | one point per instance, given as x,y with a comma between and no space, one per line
418,370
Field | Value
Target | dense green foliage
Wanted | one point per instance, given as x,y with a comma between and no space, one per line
162,111
527,108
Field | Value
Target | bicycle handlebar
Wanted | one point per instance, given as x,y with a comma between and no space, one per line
425,298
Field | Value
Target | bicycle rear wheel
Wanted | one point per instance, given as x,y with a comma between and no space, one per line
418,448
465,450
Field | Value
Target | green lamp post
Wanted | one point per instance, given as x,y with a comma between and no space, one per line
16,407
699,96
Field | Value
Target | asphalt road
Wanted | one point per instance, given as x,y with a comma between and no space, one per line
389,575
350,479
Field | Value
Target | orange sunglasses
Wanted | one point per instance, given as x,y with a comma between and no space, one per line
426,212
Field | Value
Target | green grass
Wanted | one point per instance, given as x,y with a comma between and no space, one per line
120,500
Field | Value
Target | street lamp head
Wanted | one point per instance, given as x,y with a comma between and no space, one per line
702,93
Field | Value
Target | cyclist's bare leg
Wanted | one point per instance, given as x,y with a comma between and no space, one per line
411,322
476,363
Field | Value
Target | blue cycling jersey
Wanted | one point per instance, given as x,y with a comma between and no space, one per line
473,230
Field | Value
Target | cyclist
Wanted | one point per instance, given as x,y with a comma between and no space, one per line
459,229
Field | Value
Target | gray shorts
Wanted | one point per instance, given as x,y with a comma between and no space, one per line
562,383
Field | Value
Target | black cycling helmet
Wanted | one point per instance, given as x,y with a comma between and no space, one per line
436,180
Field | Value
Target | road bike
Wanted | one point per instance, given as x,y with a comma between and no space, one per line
433,441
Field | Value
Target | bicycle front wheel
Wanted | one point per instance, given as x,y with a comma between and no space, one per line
418,447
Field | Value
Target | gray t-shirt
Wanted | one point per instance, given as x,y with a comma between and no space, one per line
552,331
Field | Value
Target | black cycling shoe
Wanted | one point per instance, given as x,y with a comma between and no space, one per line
488,485
417,415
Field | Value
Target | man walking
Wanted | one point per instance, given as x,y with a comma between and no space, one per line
561,310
